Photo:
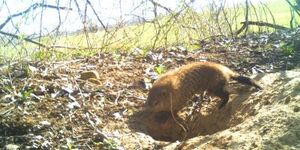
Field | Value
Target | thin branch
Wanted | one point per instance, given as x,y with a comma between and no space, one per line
247,15
43,45
59,16
9,13
85,30
245,25
26,39
159,5
41,24
294,7
57,28
227,20
255,12
139,17
31,8
102,24
79,10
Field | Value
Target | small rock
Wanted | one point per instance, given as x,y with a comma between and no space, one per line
68,88
32,68
73,105
151,73
12,147
147,83
95,81
137,51
19,74
287,99
117,116
181,48
45,123
58,94
108,84
89,74
266,102
296,109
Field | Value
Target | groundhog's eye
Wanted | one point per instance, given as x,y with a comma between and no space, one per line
155,102
164,93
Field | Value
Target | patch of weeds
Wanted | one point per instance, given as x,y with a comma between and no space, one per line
193,47
140,52
7,88
25,94
107,144
60,55
227,45
27,71
42,55
266,47
144,52
242,60
69,144
287,48
117,57
296,89
160,69
83,53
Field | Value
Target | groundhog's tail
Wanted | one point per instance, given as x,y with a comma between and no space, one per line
246,80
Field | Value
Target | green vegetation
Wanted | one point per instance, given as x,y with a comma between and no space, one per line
109,144
281,12
287,49
160,69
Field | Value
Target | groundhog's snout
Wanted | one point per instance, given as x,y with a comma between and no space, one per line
147,104
151,102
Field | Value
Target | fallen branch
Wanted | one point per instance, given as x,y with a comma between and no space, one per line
258,23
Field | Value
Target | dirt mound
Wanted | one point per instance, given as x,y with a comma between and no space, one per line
267,119
202,117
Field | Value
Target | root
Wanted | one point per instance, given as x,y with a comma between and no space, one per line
180,124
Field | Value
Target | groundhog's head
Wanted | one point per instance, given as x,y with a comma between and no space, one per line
159,96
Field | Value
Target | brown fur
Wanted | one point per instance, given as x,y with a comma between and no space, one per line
175,88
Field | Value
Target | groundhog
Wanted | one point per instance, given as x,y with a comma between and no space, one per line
173,89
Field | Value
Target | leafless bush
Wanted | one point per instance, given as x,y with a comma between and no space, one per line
84,24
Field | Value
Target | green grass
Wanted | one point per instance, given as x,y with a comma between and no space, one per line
165,32
281,12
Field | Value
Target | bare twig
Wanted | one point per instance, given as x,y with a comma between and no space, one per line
255,12
9,13
43,45
245,25
294,7
97,16
30,8
155,4
85,30
227,20
25,38
41,23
